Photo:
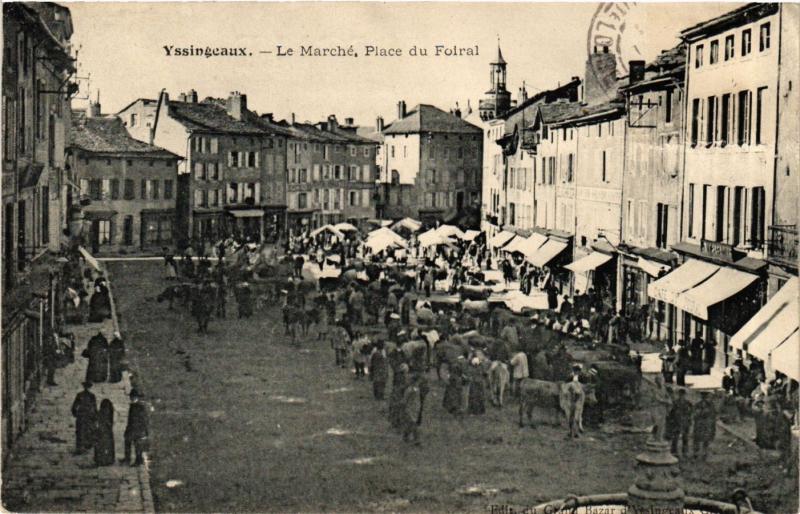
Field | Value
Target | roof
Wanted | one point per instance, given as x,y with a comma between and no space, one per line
143,100
370,133
551,95
210,116
108,136
736,17
427,118
590,113
499,59
666,70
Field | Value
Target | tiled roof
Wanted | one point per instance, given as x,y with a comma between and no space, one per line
210,116
108,136
668,60
745,14
427,118
586,112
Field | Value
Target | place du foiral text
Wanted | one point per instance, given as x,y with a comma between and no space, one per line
352,51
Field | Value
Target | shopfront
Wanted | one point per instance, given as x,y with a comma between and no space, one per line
638,269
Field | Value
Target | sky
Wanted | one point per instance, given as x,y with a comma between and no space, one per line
121,49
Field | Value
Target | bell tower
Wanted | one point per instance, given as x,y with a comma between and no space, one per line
497,99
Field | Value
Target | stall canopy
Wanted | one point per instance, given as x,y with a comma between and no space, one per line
327,228
385,233
546,253
345,227
526,246
247,213
501,239
381,242
589,263
470,235
786,357
772,324
681,279
433,238
450,231
409,224
654,269
719,287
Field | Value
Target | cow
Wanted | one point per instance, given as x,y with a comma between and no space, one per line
566,397
180,292
499,378
448,352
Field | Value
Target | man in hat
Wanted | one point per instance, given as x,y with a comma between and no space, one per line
679,420
136,431
378,372
705,425
84,409
519,364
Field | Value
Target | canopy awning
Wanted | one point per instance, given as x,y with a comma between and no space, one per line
786,357
589,263
719,287
385,233
681,279
345,227
771,324
652,268
501,239
329,228
247,213
408,223
433,238
470,235
546,253
450,231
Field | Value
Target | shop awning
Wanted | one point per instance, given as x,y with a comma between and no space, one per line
681,279
589,263
771,324
546,253
501,239
526,246
719,287
652,268
247,213
345,227
470,235
786,357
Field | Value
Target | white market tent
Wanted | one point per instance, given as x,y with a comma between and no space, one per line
381,242
387,233
470,235
345,227
327,228
450,231
409,224
434,238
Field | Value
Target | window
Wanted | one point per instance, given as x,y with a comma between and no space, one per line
668,107
698,56
719,225
392,151
711,121
168,190
199,171
337,172
104,231
713,56
154,189
570,160
760,98
433,176
704,211
604,166
729,48
130,194
353,151
724,120
353,198
143,187
252,159
233,159
746,41
95,189
763,37
233,192
691,210
757,217
736,236
743,124
251,191
366,151
115,189
127,230
213,171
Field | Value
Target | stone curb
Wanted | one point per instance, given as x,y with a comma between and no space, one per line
143,471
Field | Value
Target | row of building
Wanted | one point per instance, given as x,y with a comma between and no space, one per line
673,188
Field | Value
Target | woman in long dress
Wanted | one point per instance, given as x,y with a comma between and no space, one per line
104,454
477,389
116,358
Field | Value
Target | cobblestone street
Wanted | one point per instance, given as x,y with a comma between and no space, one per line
44,474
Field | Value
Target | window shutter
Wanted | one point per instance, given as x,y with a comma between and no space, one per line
258,159
230,159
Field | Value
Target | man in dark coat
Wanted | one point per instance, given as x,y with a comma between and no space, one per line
116,358
696,349
679,420
97,353
136,431
378,372
84,409
705,425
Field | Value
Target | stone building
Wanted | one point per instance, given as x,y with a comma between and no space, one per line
38,193
433,165
653,182
130,186
228,155
734,88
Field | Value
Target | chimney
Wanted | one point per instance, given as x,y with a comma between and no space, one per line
636,72
401,109
182,97
332,123
191,96
349,122
600,78
457,110
268,116
379,124
293,119
94,108
236,105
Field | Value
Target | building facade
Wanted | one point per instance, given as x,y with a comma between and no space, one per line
433,165
129,187
38,193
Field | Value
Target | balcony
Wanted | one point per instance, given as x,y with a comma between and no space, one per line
782,247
